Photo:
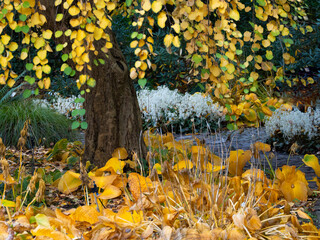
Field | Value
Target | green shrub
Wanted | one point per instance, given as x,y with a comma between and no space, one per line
46,125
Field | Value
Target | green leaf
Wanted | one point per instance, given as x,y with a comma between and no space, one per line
80,100
246,91
101,61
75,112
27,93
229,108
29,66
142,82
7,203
82,112
134,34
196,58
95,62
25,29
29,79
253,89
58,34
23,17
84,125
26,4
91,82
65,57
75,125
140,36
42,220
67,70
128,3
59,47
239,52
261,2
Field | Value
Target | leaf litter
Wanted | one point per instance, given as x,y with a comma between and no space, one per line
184,192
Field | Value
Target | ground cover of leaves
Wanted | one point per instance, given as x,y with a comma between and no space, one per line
181,191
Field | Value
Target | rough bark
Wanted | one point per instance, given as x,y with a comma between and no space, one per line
112,110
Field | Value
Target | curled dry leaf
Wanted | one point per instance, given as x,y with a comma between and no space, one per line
138,184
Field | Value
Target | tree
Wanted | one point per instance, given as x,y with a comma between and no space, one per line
233,59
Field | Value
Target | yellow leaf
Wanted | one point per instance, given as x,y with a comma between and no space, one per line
114,165
39,43
176,42
42,54
44,233
110,192
5,39
46,82
184,164
120,153
111,6
156,6
47,34
103,181
234,14
98,32
46,69
168,40
127,219
237,161
81,35
146,5
90,27
230,68
74,11
11,82
138,185
158,168
69,182
162,18
250,114
313,162
13,46
86,214
294,189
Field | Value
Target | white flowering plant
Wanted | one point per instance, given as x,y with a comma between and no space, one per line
287,127
182,112
161,107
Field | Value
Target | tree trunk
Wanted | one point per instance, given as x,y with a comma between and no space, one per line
112,110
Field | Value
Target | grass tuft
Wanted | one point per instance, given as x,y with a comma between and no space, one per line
46,125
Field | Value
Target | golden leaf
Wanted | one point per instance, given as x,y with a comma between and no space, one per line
86,214
237,161
120,153
138,184
126,218
184,164
234,14
98,32
162,18
176,42
103,181
250,114
110,192
74,10
313,162
114,165
146,5
69,182
168,40
156,6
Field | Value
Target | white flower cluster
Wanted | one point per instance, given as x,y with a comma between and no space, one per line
156,105
293,123
164,104
60,104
